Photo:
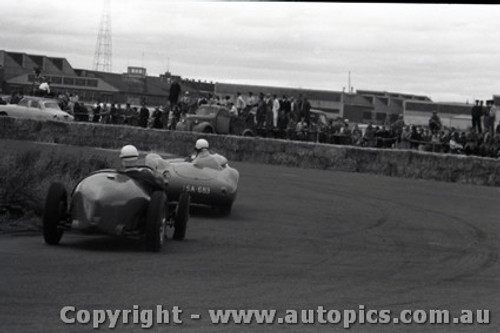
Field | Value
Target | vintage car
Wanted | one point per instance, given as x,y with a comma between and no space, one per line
209,181
35,108
317,130
215,119
114,202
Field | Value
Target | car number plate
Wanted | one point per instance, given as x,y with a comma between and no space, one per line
197,189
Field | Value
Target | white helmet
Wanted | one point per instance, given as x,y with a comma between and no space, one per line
201,144
129,152
151,160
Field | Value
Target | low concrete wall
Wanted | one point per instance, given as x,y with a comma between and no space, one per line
399,163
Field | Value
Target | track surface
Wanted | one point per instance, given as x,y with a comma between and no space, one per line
297,239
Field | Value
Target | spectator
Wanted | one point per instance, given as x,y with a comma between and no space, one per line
97,112
476,113
185,103
80,112
73,98
113,113
202,100
157,115
240,102
129,115
143,116
120,114
397,127
251,100
105,114
16,97
435,123
405,138
174,93
226,101
305,110
455,146
44,88
472,143
233,110
356,135
275,109
415,138
489,117
285,110
38,79
369,136
301,129
260,116
269,111
294,109
216,100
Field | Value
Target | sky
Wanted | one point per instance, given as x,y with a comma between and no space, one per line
449,52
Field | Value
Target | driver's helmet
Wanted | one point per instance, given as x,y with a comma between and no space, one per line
201,144
152,160
129,153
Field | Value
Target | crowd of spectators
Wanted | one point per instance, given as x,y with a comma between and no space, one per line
292,118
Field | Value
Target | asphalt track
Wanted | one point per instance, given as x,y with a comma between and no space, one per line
297,239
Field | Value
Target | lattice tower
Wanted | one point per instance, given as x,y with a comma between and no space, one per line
103,55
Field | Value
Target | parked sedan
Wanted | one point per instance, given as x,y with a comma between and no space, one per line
35,108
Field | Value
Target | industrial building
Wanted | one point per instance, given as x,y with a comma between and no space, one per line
17,72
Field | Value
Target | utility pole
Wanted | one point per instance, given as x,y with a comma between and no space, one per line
103,55
349,88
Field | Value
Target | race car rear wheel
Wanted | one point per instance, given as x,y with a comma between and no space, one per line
225,210
156,221
55,212
181,216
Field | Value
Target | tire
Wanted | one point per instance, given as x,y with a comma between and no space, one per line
55,212
207,130
156,221
225,210
181,216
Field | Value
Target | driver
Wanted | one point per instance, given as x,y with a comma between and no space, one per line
202,157
146,176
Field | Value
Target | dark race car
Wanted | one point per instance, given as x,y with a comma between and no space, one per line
113,202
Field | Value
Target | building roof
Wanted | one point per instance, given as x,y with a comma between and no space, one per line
394,95
23,63
244,89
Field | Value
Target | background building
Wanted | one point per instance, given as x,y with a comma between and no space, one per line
17,72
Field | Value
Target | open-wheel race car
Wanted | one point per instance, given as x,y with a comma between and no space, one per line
115,203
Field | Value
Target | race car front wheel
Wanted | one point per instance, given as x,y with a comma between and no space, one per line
156,221
225,210
181,216
55,212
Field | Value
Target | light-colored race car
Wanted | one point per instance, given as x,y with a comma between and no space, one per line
116,202
209,181
35,108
